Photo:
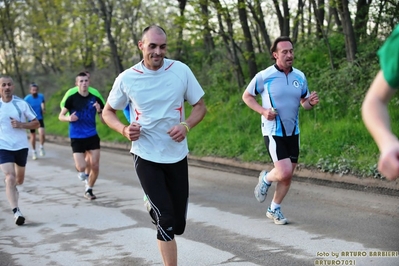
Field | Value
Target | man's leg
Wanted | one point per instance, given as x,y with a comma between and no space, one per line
42,138
88,167
93,157
32,140
80,162
282,173
11,183
168,252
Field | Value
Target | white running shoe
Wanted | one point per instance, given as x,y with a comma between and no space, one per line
34,155
42,152
261,188
276,215
19,218
82,177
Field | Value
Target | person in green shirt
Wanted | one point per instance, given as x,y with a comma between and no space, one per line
62,104
375,106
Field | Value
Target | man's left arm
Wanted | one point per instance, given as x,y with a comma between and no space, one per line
311,101
43,106
197,114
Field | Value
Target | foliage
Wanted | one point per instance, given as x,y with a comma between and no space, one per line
50,41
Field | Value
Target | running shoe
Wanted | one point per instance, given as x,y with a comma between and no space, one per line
261,188
19,218
276,215
82,177
34,155
42,152
89,194
147,205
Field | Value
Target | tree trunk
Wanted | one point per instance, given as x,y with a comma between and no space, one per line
206,33
106,13
362,17
298,18
319,15
250,53
283,19
347,27
257,13
180,27
227,38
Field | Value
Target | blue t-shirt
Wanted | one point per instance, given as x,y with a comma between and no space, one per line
284,93
36,103
85,126
126,112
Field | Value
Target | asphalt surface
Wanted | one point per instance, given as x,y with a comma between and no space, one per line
351,223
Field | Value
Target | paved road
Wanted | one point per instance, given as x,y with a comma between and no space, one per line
226,226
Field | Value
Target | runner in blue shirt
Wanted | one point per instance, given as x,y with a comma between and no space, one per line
36,100
80,110
283,89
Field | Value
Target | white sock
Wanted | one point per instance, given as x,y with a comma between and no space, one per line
274,206
265,180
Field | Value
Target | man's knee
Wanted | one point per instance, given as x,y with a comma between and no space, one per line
168,227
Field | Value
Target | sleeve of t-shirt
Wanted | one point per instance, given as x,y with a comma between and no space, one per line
389,59
194,90
29,113
117,99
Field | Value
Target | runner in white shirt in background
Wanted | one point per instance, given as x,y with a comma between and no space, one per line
16,116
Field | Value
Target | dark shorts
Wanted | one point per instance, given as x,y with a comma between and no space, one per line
283,147
41,125
18,157
166,187
85,144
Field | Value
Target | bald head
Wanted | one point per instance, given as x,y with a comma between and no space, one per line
153,29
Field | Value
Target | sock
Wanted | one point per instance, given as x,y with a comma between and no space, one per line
265,180
87,188
15,210
274,206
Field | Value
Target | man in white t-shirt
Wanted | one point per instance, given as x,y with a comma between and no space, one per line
156,90
16,116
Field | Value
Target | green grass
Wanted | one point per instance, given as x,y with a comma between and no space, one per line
343,146
232,130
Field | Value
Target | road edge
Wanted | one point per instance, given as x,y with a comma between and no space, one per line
351,182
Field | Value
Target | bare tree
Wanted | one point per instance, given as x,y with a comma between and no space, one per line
283,18
298,18
319,13
208,40
8,27
223,15
362,17
250,53
258,15
105,11
180,27
347,27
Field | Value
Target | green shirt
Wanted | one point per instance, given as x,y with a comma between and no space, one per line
389,58
74,90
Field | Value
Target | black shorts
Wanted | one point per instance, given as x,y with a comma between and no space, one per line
166,187
41,125
85,144
18,157
283,147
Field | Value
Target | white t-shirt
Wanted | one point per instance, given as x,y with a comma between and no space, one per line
13,139
156,100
